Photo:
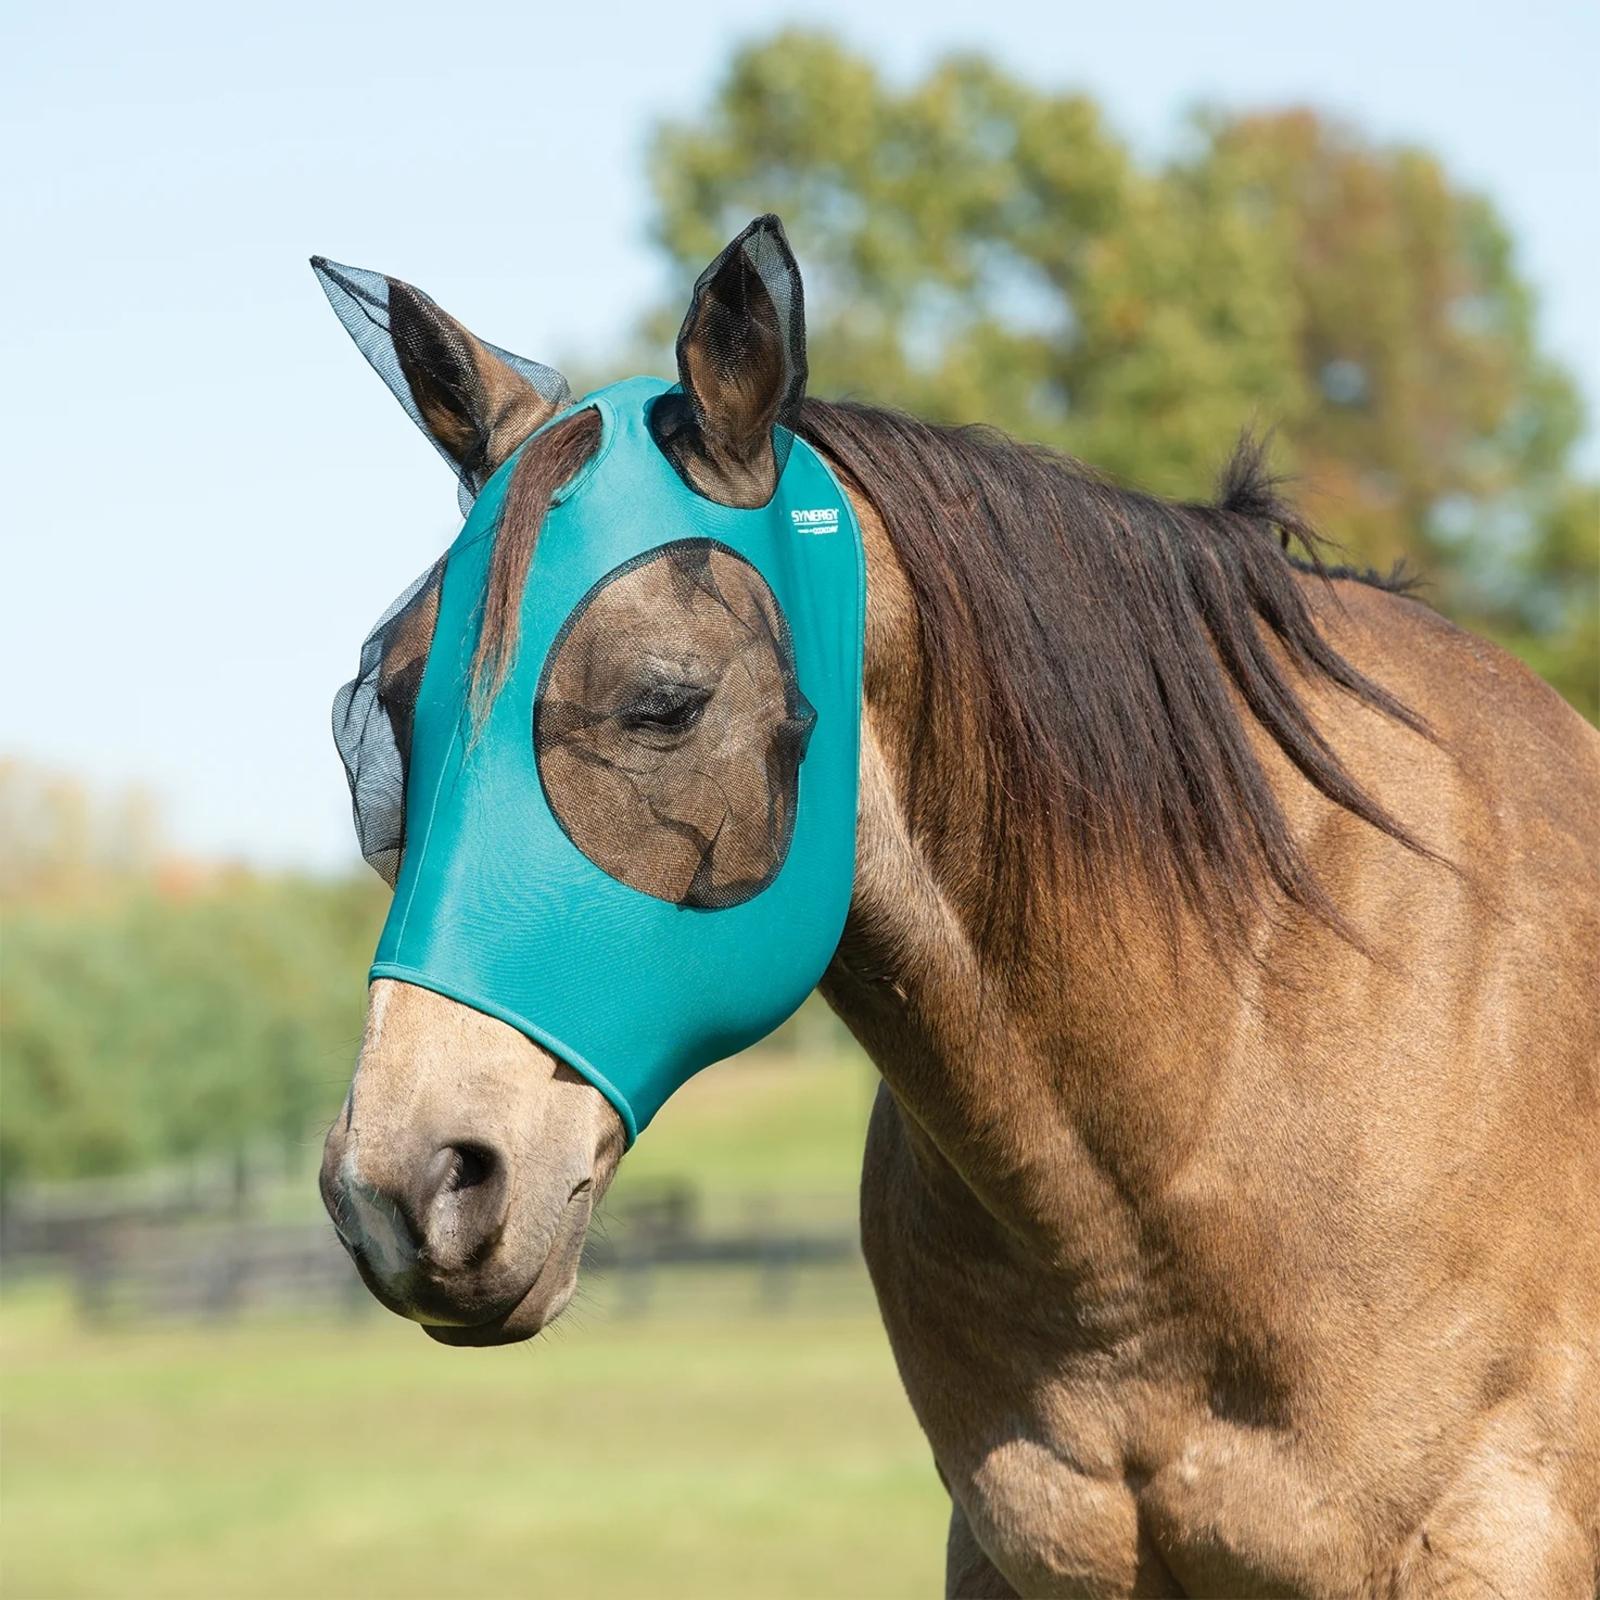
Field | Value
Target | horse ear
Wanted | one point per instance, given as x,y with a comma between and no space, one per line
475,401
742,364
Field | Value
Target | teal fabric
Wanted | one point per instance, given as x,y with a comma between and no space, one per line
495,907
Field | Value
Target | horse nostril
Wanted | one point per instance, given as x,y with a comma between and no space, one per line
473,1165
459,1167
461,1203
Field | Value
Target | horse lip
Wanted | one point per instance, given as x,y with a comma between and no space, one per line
501,1328
483,1335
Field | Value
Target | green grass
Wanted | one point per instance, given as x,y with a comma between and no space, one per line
703,1451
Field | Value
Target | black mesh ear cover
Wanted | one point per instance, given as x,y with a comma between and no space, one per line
414,355
744,340
372,720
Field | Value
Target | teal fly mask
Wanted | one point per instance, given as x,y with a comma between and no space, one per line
638,848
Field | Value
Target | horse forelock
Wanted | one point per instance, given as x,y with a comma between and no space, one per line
546,463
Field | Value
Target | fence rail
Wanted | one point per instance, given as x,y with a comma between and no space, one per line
166,1264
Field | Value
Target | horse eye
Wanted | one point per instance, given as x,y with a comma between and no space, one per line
666,708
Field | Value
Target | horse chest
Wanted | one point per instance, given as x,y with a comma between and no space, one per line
1225,1512
1077,1425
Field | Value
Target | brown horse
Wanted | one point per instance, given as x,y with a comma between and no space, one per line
1225,931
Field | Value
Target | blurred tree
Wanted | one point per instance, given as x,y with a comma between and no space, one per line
60,841
153,1009
981,250
148,1029
1439,429
1548,611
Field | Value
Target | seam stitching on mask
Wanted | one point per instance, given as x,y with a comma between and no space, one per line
427,836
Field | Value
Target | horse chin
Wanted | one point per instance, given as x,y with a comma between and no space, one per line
526,1320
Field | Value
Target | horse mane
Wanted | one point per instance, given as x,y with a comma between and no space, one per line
1110,639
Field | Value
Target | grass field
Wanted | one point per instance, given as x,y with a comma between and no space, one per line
704,1450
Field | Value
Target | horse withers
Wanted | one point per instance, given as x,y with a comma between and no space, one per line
1224,927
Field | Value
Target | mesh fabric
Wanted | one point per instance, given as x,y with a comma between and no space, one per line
670,727
372,720
360,300
747,310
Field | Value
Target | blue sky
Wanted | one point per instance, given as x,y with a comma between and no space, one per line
208,497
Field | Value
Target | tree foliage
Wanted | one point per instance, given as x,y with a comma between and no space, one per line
977,249
152,1011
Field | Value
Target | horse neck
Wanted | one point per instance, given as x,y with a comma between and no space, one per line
1001,1057
1019,1072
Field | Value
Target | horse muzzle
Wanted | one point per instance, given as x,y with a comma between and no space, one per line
463,1169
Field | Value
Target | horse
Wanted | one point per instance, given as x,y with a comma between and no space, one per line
1224,931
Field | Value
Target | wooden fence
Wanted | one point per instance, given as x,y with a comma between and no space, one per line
138,1266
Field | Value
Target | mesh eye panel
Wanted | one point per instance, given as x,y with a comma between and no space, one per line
746,323
360,300
372,720
669,727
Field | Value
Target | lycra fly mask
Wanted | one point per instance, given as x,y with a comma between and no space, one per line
639,851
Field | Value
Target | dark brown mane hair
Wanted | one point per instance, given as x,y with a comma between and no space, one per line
1109,637
541,469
